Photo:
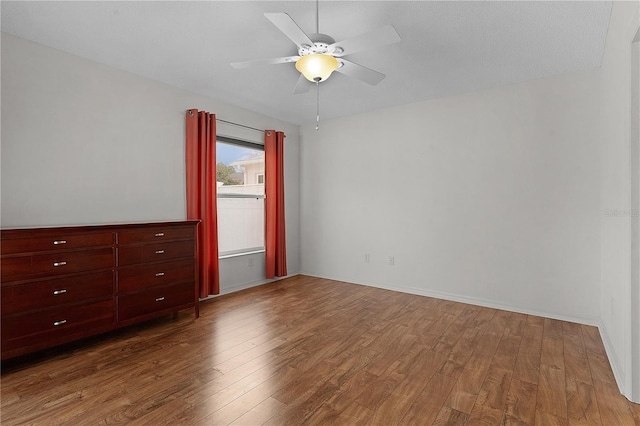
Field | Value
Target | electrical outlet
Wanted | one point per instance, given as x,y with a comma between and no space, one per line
367,259
392,261
251,261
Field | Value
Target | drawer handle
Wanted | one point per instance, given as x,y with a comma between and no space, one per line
159,299
57,292
160,234
59,323
159,274
56,264
58,242
159,251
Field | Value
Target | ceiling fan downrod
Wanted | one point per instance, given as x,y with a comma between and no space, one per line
317,79
317,104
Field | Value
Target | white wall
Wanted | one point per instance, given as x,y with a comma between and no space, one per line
616,302
489,197
83,143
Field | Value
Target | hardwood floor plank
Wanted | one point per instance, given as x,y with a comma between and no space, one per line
488,343
600,368
241,375
481,415
465,391
516,324
493,333
423,368
506,352
552,353
547,419
251,399
305,383
355,415
230,360
573,340
456,329
451,368
462,350
439,326
303,408
553,328
577,368
378,391
479,360
392,409
343,397
204,405
521,403
535,320
592,340
449,417
527,365
427,405
614,408
164,414
495,388
582,405
390,353
416,354
500,321
551,397
260,413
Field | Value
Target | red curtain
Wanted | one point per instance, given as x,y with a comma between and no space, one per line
275,236
201,194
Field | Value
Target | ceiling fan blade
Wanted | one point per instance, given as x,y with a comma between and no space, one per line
247,64
302,86
289,27
376,38
365,74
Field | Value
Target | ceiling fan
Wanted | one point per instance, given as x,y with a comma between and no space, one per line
319,54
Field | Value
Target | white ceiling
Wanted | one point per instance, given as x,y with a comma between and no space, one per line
447,47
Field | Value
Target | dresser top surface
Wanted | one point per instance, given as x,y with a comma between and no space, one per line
10,233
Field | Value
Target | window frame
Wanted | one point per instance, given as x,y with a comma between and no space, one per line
257,147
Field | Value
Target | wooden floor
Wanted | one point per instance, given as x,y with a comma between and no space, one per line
308,351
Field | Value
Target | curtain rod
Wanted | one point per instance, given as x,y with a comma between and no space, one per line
239,125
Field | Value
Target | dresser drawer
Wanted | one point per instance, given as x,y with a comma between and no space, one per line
54,325
58,242
26,267
144,276
155,300
155,235
133,255
51,293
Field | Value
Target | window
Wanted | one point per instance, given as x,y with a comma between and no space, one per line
240,196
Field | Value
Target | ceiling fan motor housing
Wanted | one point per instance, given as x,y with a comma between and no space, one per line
322,43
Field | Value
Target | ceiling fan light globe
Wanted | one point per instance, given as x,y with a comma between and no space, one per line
317,67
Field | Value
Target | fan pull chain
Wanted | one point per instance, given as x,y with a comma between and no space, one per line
317,105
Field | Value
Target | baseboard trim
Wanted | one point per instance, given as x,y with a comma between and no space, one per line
471,301
618,370
243,286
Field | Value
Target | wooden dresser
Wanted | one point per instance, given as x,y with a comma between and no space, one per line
61,284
